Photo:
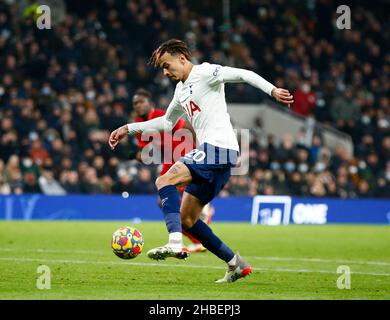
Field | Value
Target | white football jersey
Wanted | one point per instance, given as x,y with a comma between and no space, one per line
202,98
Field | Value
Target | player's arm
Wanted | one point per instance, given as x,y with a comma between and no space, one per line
164,123
237,75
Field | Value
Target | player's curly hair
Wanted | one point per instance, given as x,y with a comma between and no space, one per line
172,46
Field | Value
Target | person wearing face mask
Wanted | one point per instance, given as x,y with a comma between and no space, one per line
320,166
365,119
289,165
302,156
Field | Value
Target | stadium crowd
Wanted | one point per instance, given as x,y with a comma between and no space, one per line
63,90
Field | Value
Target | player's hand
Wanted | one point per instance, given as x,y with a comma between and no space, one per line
283,96
117,135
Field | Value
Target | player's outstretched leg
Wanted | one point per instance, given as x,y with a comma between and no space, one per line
166,184
205,216
190,210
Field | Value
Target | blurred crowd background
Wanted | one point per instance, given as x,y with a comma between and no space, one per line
63,90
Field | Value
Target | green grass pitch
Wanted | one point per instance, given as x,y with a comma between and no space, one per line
290,262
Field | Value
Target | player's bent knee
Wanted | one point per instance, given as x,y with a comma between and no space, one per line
164,181
187,223
161,182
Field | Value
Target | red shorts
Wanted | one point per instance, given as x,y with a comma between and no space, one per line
165,168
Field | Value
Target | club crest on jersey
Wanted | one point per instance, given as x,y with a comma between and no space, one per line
215,73
190,108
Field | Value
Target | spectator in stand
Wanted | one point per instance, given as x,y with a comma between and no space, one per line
125,183
304,100
344,110
5,188
13,173
70,182
49,185
90,182
144,184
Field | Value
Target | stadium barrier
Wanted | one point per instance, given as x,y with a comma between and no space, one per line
266,210
277,121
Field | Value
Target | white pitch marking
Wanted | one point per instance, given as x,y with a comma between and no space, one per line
379,263
181,266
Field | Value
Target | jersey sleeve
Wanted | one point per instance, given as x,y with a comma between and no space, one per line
212,73
174,111
217,74
156,113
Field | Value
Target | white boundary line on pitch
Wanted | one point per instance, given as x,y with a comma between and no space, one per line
364,262
377,263
144,264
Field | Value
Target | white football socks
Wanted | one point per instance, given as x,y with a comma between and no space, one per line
176,240
233,261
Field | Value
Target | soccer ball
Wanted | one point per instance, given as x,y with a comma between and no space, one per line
127,242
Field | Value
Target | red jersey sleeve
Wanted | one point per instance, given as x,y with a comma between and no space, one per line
179,125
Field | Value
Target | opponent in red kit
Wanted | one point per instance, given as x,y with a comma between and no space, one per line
144,110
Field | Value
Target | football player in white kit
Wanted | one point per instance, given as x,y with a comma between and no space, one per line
200,96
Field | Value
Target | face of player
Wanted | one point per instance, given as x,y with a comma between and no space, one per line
141,105
174,66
